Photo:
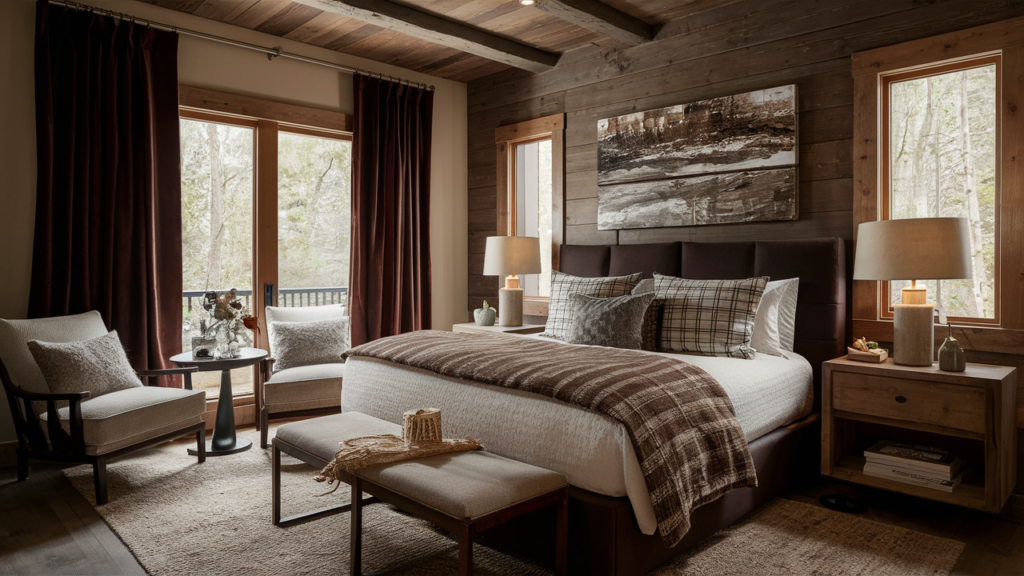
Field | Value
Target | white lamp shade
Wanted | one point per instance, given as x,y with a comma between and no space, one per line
508,255
913,249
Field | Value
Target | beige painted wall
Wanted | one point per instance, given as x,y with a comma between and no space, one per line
231,69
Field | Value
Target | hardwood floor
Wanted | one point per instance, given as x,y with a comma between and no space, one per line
47,527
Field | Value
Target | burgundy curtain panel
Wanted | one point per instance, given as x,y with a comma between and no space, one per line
108,196
390,265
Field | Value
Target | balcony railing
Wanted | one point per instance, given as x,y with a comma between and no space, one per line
289,297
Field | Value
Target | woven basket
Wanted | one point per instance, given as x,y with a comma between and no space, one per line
423,425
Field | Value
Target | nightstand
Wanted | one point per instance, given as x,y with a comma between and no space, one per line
972,414
524,329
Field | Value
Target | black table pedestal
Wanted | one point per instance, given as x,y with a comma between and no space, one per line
224,440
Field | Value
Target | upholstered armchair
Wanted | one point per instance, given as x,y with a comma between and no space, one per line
75,427
304,390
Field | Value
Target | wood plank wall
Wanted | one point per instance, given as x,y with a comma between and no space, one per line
740,47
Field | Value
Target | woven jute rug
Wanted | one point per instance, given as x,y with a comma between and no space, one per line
181,517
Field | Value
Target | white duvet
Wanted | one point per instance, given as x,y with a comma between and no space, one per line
592,450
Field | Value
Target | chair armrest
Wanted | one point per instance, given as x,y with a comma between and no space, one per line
61,440
47,397
185,371
267,367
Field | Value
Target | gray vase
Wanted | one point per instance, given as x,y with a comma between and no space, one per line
484,316
951,356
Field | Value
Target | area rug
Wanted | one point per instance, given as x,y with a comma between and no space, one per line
181,517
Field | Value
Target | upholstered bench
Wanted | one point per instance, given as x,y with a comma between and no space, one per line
464,492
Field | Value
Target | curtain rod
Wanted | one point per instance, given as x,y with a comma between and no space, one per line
271,53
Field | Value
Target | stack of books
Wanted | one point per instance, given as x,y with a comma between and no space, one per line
912,464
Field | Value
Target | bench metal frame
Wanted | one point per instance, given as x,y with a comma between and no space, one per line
465,528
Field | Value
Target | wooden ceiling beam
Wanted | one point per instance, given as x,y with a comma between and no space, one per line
442,31
601,18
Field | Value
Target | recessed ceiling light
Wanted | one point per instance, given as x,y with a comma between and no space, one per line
526,2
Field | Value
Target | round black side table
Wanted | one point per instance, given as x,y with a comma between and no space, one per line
224,440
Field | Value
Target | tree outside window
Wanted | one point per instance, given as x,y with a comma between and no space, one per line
943,162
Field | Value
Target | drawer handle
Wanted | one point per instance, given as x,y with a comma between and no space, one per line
901,399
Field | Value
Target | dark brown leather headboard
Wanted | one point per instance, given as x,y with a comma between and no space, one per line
820,263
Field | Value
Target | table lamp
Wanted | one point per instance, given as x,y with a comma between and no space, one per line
510,256
914,249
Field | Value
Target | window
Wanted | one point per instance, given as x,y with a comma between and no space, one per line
530,184
532,213
265,203
941,159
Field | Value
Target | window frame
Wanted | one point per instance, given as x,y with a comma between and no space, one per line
886,309
267,118
983,343
506,138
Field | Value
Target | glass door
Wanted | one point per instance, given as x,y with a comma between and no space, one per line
217,183
313,217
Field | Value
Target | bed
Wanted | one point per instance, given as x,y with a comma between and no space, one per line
612,525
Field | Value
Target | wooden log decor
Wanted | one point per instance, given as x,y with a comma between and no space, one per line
716,161
423,425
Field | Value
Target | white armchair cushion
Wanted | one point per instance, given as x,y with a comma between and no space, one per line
98,366
14,337
304,388
127,417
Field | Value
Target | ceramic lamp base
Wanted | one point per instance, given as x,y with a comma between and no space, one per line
914,336
510,307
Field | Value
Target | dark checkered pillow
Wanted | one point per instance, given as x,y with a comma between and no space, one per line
560,313
613,322
708,317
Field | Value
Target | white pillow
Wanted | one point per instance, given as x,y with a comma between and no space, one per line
766,339
775,322
787,309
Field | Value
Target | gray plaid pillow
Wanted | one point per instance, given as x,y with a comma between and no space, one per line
614,322
708,317
562,285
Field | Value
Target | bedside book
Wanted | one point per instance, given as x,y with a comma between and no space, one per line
910,477
924,460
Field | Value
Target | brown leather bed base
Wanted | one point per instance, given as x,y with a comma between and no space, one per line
604,538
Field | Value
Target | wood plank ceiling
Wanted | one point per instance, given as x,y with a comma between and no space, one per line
459,40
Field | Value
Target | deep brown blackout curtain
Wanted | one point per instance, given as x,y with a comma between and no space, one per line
108,196
390,265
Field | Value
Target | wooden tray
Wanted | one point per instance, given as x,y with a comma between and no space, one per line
861,356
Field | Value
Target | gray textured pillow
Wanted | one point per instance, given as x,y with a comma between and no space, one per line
651,317
615,322
98,366
560,314
295,344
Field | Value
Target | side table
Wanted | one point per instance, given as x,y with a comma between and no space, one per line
224,440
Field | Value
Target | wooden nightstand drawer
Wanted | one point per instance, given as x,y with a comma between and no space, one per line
947,405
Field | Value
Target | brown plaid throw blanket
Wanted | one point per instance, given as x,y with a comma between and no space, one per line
682,424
